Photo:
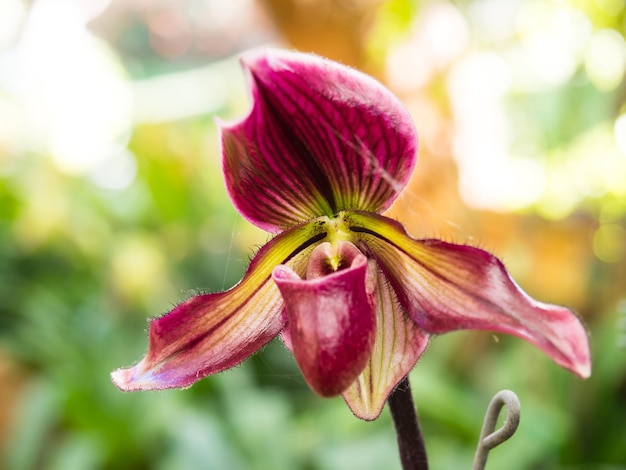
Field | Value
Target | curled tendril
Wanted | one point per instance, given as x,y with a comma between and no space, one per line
489,436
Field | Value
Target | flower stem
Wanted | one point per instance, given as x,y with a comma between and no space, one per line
410,439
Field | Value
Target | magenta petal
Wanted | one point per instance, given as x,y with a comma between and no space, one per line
331,325
212,332
446,287
320,138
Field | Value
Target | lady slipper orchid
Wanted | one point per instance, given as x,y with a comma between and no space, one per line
322,153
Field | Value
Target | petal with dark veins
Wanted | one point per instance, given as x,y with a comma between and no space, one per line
320,138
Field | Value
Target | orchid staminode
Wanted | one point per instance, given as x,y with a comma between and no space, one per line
323,152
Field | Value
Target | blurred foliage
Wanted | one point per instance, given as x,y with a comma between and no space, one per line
89,251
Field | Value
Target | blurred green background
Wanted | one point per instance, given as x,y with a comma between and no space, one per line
112,209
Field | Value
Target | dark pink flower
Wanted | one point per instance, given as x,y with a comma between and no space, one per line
322,153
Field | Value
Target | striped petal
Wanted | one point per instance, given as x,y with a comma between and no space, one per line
398,345
446,287
320,138
330,316
212,332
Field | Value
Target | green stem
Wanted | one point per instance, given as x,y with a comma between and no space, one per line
410,440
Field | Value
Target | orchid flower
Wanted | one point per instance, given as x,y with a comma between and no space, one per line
322,153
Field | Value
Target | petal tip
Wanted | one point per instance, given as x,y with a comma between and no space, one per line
133,379
583,369
122,379
365,413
